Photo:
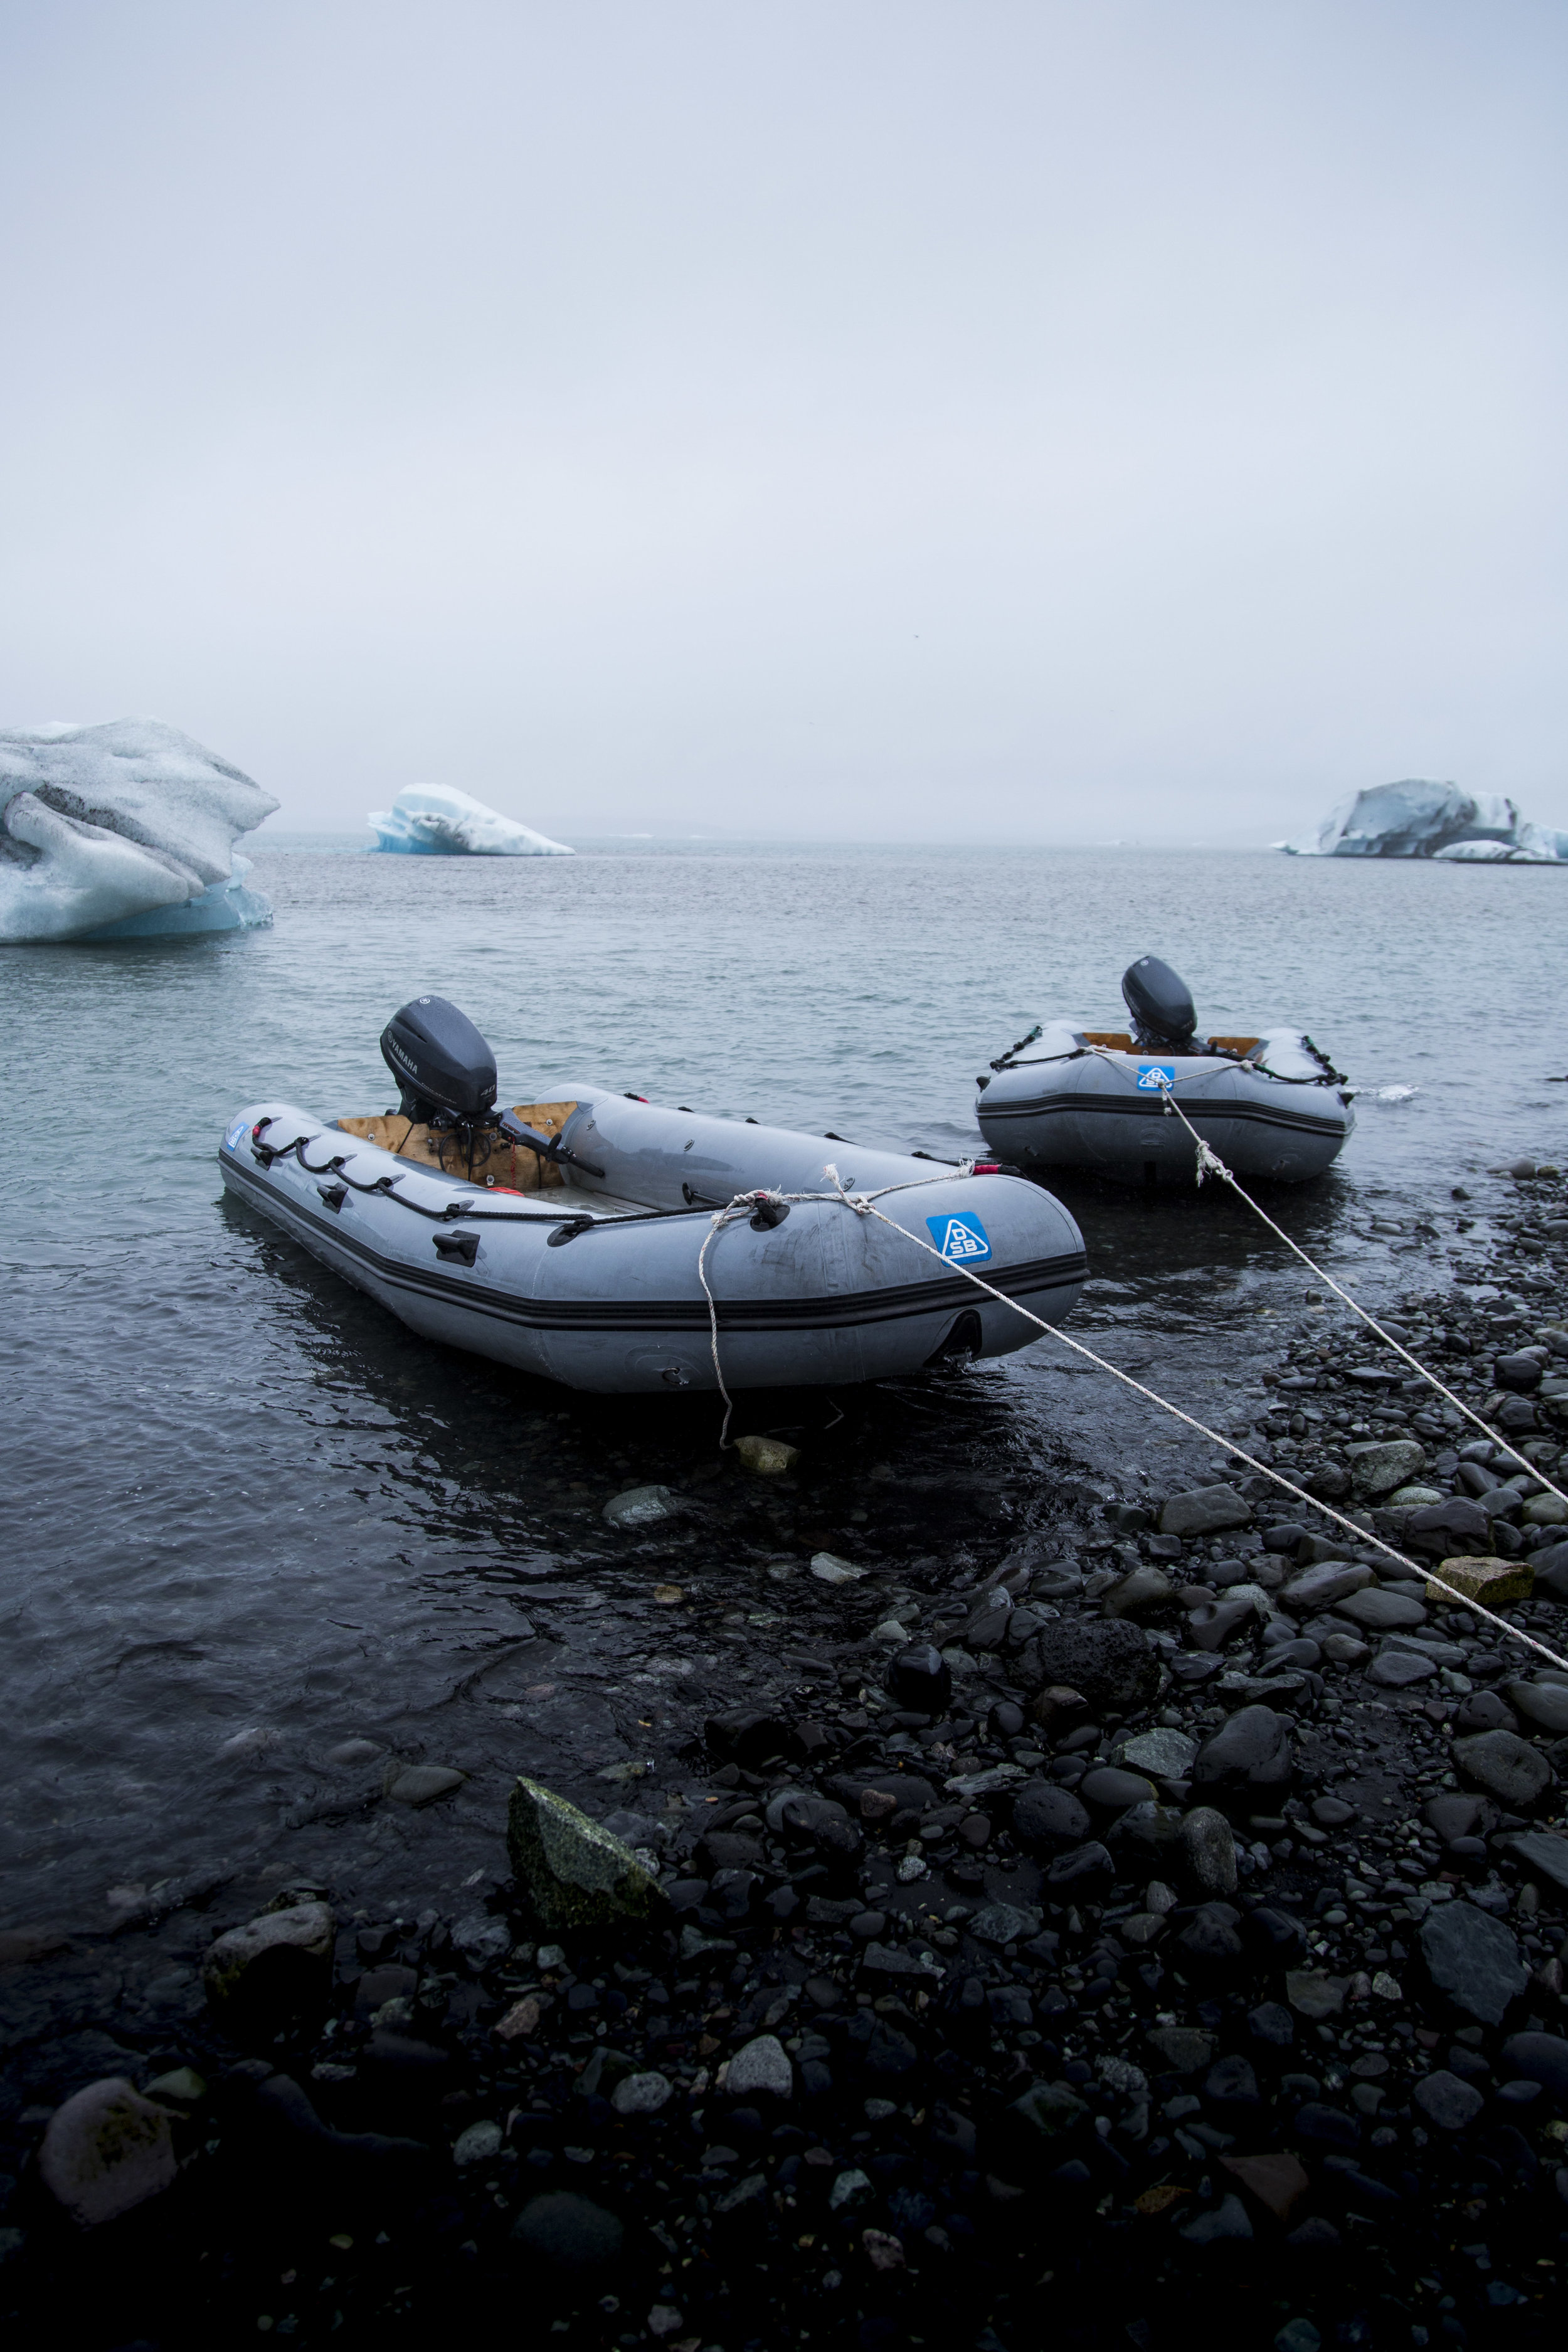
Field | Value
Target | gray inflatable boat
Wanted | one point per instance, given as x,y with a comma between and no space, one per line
564,1237
1269,1105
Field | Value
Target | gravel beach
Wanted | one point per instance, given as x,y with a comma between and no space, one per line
1141,1913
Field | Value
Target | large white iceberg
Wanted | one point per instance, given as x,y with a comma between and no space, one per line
125,831
1415,819
438,821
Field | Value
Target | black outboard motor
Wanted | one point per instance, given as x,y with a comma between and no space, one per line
441,1062
1160,1004
447,1079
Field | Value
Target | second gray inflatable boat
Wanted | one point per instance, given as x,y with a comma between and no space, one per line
1268,1105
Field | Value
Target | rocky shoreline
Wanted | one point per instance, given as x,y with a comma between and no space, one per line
1167,1898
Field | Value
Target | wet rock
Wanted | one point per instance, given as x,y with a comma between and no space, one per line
577,1874
639,1507
274,1965
1165,1754
1058,1710
1320,1586
1484,1711
478,2145
1538,2058
349,1752
1044,1814
1211,1940
1377,1469
748,1736
1380,1612
1324,2126
1446,2102
1074,1876
1550,1571
1505,1766
1397,1669
1143,1594
1313,1995
1001,1923
1440,1527
766,1457
1145,1832
1211,1625
106,2150
1226,2220
181,2087
1037,2128
828,1569
1473,1959
1546,1704
1231,2083
1519,1373
420,1784
642,2095
1278,2182
760,2067
1272,2025
1253,1750
481,1940
1110,1791
1545,1855
1206,1511
920,1679
1183,2049
1456,1817
572,2239
1108,1661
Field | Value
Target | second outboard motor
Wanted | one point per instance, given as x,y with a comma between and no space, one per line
441,1062
1160,1004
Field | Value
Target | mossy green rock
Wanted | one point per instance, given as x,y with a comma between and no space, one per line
577,1873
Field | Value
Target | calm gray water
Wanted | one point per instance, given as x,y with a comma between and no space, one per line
248,1518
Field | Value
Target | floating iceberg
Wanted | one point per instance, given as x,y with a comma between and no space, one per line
125,831
435,821
1421,819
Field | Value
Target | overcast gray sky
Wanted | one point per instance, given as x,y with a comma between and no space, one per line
878,419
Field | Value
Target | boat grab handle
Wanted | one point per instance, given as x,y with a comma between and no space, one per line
459,1249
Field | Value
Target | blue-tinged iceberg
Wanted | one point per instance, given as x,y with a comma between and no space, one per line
1415,819
124,831
438,821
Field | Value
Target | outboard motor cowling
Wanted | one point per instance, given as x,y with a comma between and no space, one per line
441,1062
1160,1004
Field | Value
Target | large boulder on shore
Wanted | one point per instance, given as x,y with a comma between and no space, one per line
577,1873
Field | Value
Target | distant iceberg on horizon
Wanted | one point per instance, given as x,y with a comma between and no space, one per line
124,831
438,821
1415,819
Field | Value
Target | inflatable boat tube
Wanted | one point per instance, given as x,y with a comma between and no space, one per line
586,1271
1269,1105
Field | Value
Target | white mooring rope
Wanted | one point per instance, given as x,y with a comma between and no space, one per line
862,1203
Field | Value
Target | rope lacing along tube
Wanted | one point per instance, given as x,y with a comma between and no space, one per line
863,1205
